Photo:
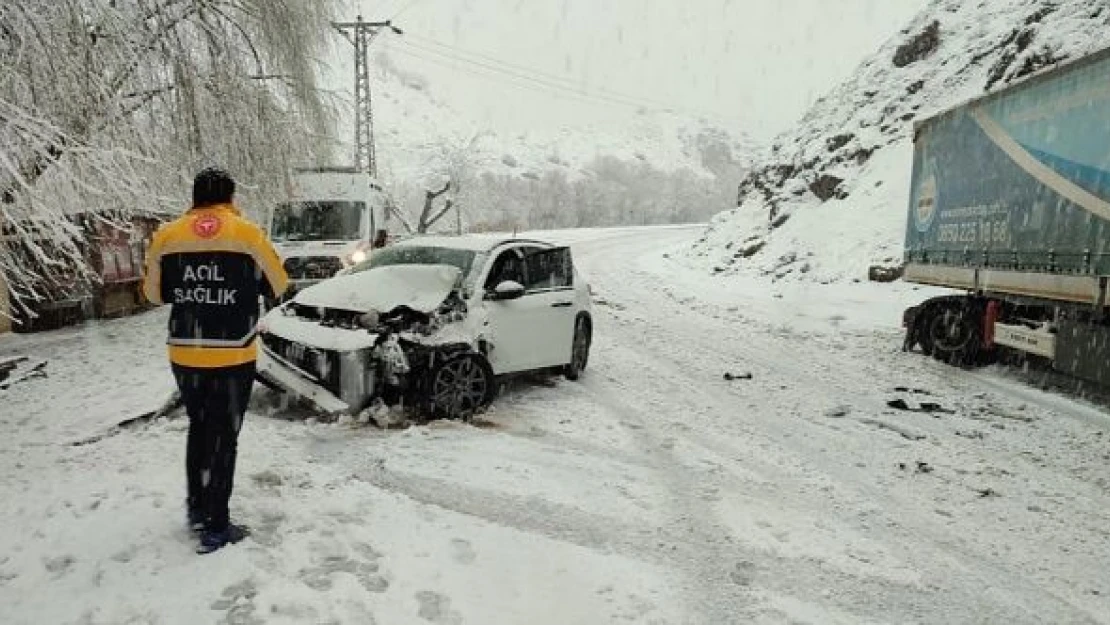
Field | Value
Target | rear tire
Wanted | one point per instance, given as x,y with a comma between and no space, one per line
953,332
580,349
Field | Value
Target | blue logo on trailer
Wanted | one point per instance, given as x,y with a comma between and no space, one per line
925,201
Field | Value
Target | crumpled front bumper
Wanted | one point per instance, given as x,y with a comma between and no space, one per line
279,372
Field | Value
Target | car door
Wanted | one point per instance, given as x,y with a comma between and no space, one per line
511,328
550,287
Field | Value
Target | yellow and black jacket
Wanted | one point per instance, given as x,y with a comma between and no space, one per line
212,265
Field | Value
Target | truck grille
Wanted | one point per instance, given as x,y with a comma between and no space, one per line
312,267
320,364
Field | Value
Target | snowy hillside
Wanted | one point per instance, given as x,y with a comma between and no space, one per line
416,126
828,199
422,140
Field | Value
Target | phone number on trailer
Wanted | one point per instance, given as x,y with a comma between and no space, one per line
984,232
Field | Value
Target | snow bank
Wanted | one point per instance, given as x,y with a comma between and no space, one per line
828,199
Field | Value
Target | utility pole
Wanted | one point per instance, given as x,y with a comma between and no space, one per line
361,34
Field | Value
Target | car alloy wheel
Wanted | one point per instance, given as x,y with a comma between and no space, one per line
460,386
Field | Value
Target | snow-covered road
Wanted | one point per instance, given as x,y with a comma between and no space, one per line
653,491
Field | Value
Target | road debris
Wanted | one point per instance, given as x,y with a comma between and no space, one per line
897,429
165,410
8,365
11,373
919,467
932,408
913,391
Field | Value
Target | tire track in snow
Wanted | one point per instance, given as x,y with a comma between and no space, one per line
719,565
702,550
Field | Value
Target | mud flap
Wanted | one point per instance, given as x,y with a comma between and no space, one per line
1083,351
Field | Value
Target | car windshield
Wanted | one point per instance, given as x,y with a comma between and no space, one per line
317,221
418,255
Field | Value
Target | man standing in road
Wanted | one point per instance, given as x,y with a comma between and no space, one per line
212,265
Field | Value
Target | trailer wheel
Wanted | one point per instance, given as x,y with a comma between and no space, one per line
953,333
914,320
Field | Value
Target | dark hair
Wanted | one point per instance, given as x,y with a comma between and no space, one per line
212,186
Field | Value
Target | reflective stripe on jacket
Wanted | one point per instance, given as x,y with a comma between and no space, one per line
212,265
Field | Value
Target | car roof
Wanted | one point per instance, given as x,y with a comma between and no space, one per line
471,242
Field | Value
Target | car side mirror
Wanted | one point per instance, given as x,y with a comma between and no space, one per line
507,290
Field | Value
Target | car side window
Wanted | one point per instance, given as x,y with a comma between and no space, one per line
509,265
549,269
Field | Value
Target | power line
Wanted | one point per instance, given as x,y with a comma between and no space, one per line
510,81
529,70
523,76
406,8
537,77
507,73
571,83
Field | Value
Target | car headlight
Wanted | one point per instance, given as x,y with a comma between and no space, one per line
358,256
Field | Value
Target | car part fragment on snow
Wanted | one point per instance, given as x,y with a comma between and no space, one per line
925,407
8,365
21,374
168,407
919,467
897,429
915,391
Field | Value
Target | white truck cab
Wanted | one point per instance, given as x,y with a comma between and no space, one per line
329,222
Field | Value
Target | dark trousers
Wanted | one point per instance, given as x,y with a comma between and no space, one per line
216,400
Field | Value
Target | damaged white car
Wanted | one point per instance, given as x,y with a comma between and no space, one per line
430,324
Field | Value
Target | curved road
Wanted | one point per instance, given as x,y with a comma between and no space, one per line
653,491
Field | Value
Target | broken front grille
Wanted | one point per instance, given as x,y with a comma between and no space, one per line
317,363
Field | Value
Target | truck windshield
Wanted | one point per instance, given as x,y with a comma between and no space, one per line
317,221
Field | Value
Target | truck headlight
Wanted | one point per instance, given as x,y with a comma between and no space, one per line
358,256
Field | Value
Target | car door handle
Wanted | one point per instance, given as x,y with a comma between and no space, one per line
562,304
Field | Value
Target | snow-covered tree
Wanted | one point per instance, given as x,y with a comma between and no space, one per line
107,108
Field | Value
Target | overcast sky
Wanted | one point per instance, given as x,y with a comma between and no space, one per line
750,65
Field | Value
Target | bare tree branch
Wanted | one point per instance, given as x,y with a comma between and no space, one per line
429,198
446,209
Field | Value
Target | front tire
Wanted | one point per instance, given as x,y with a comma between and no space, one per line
460,386
580,349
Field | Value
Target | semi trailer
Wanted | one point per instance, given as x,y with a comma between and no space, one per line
1010,205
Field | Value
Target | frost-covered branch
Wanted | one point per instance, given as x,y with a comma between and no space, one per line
107,108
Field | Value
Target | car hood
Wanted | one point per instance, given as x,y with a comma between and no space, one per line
382,289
